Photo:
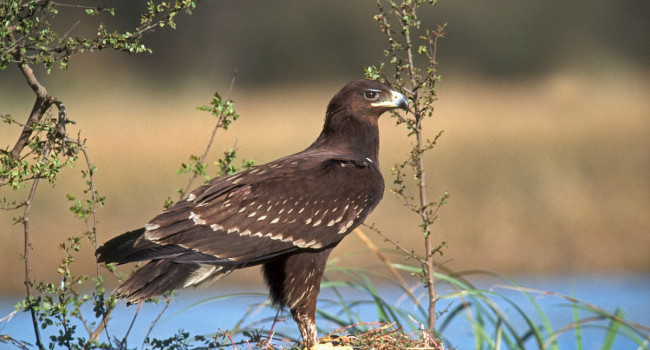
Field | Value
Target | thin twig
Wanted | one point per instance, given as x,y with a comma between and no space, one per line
54,3
27,250
19,205
70,30
153,324
137,312
93,334
388,264
397,245
91,179
103,325
212,137
83,321
385,27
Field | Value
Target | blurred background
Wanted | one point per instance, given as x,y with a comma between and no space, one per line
544,107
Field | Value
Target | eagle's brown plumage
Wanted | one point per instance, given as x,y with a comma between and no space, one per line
287,215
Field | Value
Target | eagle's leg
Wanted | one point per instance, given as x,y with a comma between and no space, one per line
305,317
294,281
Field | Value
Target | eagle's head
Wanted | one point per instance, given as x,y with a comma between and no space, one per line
365,99
351,122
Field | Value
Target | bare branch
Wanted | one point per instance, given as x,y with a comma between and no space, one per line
41,105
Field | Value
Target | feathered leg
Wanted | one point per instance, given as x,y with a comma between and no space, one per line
294,281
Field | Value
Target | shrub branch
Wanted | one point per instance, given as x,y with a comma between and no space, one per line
417,82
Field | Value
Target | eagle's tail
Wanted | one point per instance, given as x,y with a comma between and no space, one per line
152,279
160,276
169,267
120,249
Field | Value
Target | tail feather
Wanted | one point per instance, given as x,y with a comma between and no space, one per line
170,266
129,247
154,278
119,249
160,276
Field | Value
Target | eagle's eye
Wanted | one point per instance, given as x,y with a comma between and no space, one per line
371,95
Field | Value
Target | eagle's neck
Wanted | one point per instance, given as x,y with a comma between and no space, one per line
350,134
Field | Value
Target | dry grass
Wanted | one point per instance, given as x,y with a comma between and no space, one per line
383,337
546,175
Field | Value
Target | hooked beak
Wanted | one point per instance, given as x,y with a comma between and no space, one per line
397,100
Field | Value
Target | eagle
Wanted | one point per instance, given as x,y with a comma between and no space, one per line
286,215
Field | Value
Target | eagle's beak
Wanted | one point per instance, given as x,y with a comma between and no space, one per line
401,101
397,100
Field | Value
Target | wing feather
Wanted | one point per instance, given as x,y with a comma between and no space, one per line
304,201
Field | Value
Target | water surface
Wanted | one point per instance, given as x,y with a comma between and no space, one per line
217,308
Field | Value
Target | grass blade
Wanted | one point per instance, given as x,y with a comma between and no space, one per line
612,330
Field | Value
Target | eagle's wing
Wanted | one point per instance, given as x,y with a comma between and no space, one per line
304,201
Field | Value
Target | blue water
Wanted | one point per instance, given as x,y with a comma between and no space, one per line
200,312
